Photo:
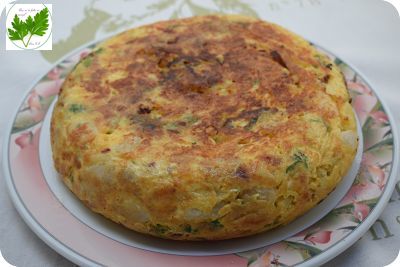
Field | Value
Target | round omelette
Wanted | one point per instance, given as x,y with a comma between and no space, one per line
204,128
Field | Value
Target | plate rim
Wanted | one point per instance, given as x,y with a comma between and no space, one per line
339,247
23,211
75,257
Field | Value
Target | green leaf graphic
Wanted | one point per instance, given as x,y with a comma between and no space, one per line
29,23
40,23
33,26
19,30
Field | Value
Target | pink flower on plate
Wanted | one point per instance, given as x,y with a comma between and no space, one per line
37,115
34,101
368,159
24,139
54,74
363,104
49,88
360,210
35,106
377,175
264,260
359,87
27,159
379,117
364,190
322,237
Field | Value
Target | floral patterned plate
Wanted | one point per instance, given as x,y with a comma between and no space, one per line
59,228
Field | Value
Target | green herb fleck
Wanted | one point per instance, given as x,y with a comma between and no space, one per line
216,224
256,85
328,128
87,61
76,108
190,119
38,25
188,228
160,229
172,26
98,51
251,123
172,126
298,158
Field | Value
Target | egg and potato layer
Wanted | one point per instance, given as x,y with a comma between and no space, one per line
210,127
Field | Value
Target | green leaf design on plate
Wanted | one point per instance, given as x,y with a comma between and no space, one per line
24,119
369,121
386,142
349,228
349,207
367,125
310,251
23,122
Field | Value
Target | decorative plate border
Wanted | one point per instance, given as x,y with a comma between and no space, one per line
315,245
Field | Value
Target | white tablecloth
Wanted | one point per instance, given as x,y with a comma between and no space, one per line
365,33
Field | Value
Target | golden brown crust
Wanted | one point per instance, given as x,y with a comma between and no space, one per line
203,128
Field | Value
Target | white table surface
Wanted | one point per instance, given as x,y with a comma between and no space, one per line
365,33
